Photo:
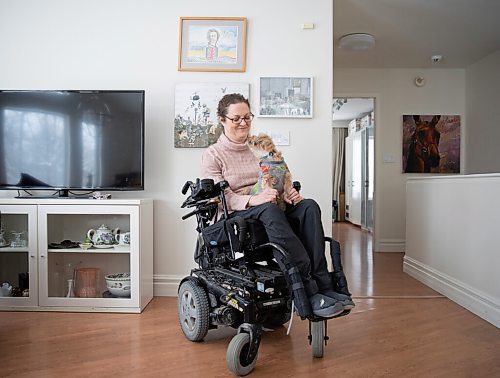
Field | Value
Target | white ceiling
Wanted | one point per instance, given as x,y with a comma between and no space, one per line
353,108
409,32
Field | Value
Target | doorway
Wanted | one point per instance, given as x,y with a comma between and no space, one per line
353,146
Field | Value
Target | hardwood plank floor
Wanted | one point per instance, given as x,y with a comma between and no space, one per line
382,337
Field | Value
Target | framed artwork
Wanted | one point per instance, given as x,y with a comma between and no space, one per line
431,144
195,123
212,44
289,97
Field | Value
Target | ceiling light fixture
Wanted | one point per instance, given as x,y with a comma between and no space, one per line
338,103
357,41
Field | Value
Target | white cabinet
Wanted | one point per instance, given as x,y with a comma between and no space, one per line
60,277
19,263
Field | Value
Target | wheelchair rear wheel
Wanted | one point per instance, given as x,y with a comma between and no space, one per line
193,309
237,355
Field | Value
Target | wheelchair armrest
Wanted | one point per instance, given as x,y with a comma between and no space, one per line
242,228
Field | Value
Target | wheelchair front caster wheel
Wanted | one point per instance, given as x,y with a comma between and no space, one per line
317,338
237,355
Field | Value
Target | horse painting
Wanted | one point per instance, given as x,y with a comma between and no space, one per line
423,151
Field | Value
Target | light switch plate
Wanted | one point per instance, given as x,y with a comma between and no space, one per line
307,25
388,158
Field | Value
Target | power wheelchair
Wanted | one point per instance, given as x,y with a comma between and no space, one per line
243,280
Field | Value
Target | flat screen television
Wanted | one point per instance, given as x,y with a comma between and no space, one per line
65,140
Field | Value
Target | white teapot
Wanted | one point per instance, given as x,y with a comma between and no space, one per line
5,289
103,235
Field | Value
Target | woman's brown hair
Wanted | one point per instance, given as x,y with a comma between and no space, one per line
230,99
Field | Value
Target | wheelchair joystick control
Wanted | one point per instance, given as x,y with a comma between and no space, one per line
296,185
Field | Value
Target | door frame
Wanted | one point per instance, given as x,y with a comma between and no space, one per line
376,109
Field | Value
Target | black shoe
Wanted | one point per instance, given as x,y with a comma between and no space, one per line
324,306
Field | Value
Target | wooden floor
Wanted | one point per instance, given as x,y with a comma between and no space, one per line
399,328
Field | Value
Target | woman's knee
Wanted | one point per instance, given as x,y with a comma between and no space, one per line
272,210
311,205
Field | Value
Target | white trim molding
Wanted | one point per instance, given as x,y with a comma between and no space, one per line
166,285
390,245
466,296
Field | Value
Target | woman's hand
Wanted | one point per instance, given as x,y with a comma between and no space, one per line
268,195
293,197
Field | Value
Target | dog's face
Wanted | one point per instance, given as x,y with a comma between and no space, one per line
262,145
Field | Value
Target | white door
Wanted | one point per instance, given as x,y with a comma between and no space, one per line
356,180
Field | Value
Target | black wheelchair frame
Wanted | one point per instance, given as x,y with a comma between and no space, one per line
243,280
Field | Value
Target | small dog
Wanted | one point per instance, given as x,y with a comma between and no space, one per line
274,172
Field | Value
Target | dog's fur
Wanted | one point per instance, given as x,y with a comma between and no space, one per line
274,172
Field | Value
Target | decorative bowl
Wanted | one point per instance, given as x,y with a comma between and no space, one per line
85,245
118,284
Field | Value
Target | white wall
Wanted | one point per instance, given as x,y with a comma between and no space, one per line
483,114
452,239
341,124
395,95
133,44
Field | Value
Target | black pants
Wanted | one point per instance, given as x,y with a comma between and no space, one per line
300,232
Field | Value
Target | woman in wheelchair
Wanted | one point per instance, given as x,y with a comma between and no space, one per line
298,229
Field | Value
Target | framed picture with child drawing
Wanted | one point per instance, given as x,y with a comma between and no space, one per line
212,44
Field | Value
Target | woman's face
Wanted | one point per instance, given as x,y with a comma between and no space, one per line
237,133
213,37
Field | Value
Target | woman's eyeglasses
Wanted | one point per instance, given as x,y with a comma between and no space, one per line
237,119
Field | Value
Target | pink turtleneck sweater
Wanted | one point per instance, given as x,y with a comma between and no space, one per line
235,163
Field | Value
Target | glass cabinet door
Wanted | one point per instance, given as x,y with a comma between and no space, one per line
101,274
18,256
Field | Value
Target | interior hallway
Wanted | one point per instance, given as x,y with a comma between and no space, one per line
384,336
374,274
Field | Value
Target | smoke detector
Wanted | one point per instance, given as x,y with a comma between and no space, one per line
436,58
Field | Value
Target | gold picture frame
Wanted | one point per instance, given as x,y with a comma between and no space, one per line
216,44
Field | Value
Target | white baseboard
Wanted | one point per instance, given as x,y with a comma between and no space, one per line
165,285
466,296
390,245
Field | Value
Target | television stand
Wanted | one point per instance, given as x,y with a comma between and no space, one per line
43,272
